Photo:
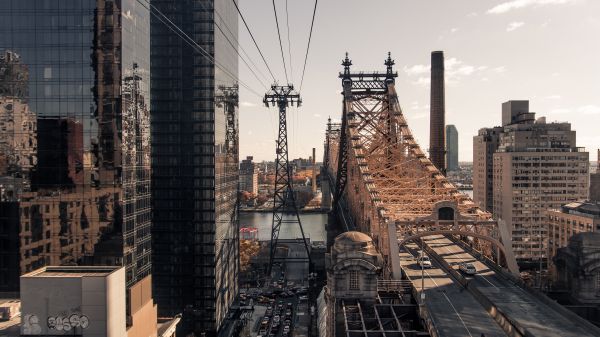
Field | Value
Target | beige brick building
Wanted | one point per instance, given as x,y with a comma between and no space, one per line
537,166
484,146
568,220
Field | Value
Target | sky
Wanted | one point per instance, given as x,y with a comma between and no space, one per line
544,51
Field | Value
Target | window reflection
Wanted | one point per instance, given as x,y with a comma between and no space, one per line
74,139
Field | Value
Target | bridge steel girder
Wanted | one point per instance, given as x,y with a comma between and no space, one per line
389,181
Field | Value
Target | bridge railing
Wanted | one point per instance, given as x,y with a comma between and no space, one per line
394,285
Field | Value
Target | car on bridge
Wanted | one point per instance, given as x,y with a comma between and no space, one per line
424,261
467,268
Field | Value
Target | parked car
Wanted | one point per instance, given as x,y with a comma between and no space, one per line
467,268
303,298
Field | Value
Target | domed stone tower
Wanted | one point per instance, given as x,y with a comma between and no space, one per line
352,268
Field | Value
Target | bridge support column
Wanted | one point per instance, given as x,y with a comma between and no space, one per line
325,194
511,261
394,251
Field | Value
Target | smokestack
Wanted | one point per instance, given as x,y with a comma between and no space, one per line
437,152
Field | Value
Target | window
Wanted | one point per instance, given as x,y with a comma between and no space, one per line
354,280
446,213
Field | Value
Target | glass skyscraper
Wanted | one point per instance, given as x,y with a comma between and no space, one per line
195,162
75,136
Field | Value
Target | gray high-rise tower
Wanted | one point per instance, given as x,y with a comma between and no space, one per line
452,147
437,152
195,163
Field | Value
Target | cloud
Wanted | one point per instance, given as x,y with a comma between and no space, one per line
420,115
472,15
453,30
514,25
559,111
423,81
519,4
417,69
589,110
416,106
247,104
500,69
455,70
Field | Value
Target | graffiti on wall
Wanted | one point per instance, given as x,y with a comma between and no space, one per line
66,323
31,323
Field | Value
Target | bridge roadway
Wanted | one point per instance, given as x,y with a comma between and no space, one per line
454,311
529,312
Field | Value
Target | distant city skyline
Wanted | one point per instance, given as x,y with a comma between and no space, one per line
495,51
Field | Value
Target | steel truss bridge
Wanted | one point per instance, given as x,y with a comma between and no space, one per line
384,185
385,182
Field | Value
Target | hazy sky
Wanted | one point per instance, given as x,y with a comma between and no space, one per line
546,51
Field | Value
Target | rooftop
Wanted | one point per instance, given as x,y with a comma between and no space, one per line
10,327
584,208
73,271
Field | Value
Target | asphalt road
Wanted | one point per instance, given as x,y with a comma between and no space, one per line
522,307
297,270
454,311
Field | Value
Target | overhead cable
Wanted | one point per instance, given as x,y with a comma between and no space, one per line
254,40
287,21
235,48
280,44
187,39
308,46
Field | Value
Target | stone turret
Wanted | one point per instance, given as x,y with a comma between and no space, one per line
352,269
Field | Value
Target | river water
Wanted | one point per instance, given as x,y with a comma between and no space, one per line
313,224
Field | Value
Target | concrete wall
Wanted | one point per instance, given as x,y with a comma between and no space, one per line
92,306
115,297
143,310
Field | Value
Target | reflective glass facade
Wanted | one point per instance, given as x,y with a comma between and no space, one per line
75,133
194,163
